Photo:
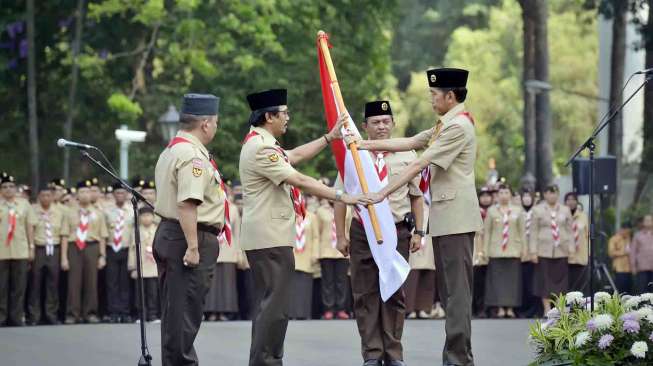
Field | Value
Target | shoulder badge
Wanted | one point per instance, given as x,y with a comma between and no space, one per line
198,167
274,157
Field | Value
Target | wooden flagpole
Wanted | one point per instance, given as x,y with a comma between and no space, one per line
322,37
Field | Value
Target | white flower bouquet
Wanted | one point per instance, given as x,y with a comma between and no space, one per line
618,332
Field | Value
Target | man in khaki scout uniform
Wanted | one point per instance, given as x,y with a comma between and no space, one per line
86,254
552,241
381,324
16,249
271,202
454,215
333,265
147,228
191,203
579,274
120,225
51,232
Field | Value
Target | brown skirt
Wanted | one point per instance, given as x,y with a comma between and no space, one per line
222,296
301,302
420,290
551,277
503,282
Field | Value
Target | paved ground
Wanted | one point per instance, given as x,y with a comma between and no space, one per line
308,343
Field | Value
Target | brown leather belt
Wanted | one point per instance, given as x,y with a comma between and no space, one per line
200,226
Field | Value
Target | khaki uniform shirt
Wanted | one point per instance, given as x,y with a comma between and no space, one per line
229,253
268,213
619,250
452,155
184,172
19,246
541,239
325,218
58,224
493,233
97,224
581,253
305,259
478,257
147,257
111,217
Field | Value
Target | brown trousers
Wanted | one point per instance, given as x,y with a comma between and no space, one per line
272,272
45,276
13,283
380,324
453,258
182,290
82,280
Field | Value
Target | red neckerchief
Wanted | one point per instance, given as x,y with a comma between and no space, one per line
298,202
226,229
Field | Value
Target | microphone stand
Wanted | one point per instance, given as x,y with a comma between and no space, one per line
590,145
146,358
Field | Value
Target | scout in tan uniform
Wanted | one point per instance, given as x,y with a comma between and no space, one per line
307,251
420,287
381,324
504,244
552,241
531,303
191,203
333,265
480,261
16,250
51,232
120,225
86,254
270,206
578,270
619,251
454,216
222,298
147,228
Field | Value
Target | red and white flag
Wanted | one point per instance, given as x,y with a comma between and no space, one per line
393,268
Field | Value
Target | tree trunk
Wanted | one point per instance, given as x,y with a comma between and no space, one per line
542,101
72,92
617,64
530,152
646,165
31,100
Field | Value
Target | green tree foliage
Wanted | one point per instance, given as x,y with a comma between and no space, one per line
139,56
493,56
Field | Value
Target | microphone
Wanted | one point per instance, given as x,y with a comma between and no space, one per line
66,143
644,72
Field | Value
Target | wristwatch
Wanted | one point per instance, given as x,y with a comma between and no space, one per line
419,232
339,194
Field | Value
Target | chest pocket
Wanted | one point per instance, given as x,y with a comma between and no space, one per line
444,195
281,213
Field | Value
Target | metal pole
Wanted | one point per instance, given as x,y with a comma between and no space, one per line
592,147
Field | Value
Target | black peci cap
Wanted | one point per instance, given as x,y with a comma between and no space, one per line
447,78
267,99
377,108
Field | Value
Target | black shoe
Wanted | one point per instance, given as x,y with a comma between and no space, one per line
113,319
396,363
373,363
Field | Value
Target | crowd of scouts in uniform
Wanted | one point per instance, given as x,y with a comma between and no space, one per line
520,257
531,246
